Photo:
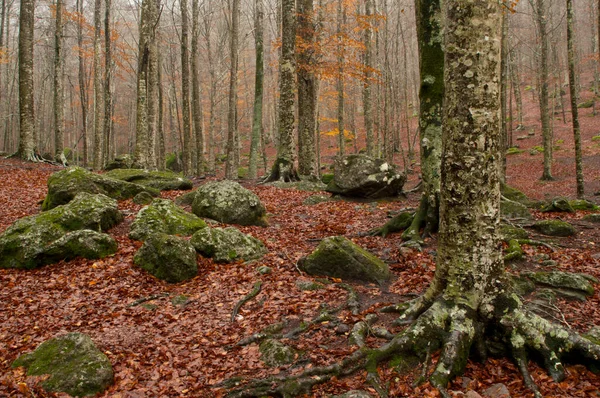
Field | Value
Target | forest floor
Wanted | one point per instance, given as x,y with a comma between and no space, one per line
166,349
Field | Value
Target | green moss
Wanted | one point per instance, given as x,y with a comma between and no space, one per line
514,251
586,104
74,364
509,232
561,205
180,300
554,228
227,245
165,217
168,258
596,138
275,354
161,180
514,209
327,178
562,280
595,218
582,204
514,151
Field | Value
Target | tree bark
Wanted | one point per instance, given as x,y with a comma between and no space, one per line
108,98
307,90
185,88
284,168
574,97
368,77
257,114
340,77
59,101
83,98
98,94
541,22
231,166
196,94
27,144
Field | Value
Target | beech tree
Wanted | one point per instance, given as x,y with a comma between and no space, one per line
98,93
231,167
259,76
470,301
27,142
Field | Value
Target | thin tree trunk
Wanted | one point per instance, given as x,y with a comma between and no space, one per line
257,118
574,95
340,78
307,90
541,21
516,83
98,125
59,101
160,129
108,98
367,106
196,95
82,84
185,88
27,144
231,167
504,96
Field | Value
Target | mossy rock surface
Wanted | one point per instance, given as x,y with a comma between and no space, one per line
167,257
514,194
24,243
74,363
186,199
305,184
586,104
316,199
341,258
511,209
164,216
362,176
583,204
226,245
554,228
143,198
161,180
83,243
559,205
595,218
327,178
521,285
509,232
563,280
123,162
274,353
64,185
230,203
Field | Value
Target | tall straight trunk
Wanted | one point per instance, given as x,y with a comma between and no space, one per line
340,79
516,84
27,144
59,101
3,88
367,105
541,22
185,88
160,128
231,167
284,168
504,97
196,95
98,96
108,98
307,90
212,94
83,98
257,114
574,96
153,67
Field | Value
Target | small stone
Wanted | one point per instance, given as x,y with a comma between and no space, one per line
274,353
498,390
342,328
264,270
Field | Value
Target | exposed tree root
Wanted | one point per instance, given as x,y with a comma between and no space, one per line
456,329
253,293
282,170
396,224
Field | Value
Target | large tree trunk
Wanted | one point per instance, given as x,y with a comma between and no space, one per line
307,90
368,76
574,97
257,114
59,102
185,88
98,94
27,145
196,96
340,76
108,99
541,22
284,168
231,167
83,98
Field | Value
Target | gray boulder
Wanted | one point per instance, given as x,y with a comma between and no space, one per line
595,218
230,203
83,243
509,232
583,204
362,176
558,205
227,245
64,185
341,258
167,257
123,162
164,216
74,363
554,228
24,243
143,198
512,209
161,180
580,283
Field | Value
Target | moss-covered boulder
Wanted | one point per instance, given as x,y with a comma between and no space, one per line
514,194
341,258
583,204
164,216
512,209
558,205
186,199
167,257
274,353
595,218
581,283
161,180
554,228
24,243
230,203
510,232
74,364
123,162
64,185
227,244
316,199
143,198
305,184
362,176
83,243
